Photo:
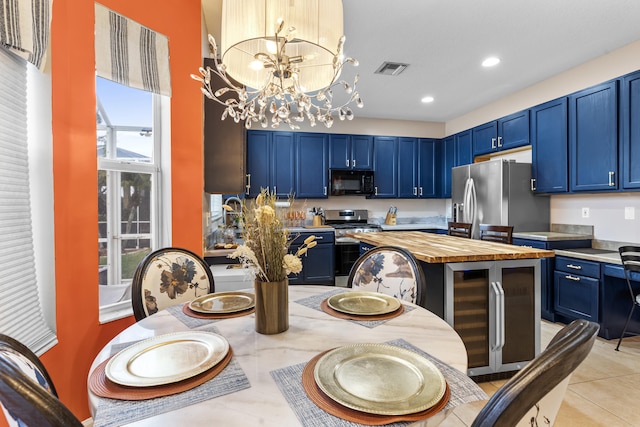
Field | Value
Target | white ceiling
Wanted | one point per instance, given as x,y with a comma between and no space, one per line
444,42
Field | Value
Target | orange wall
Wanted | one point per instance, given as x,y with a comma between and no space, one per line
74,167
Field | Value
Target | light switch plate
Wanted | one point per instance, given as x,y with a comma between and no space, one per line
585,212
629,212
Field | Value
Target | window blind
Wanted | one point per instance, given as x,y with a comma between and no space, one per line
24,28
131,54
21,314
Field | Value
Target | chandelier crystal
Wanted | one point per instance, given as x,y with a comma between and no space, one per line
272,75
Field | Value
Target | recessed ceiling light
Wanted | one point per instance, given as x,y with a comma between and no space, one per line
427,99
491,61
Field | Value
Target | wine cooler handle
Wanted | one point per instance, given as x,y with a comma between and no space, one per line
498,308
495,302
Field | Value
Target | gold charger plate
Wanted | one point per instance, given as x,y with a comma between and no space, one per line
223,302
379,379
363,303
166,359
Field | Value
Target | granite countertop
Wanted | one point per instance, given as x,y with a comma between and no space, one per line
414,226
549,236
598,255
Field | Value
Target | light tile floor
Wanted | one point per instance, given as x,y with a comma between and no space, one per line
603,391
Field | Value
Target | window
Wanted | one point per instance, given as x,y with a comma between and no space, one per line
128,128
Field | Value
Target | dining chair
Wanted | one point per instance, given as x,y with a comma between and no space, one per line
630,257
532,397
166,277
459,229
389,270
27,394
496,233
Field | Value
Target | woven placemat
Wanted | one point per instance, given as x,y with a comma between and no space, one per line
102,386
324,402
324,305
186,310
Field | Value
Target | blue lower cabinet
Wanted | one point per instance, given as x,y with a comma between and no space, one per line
576,288
616,302
318,264
364,247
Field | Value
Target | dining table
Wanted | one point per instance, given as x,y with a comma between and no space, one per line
262,383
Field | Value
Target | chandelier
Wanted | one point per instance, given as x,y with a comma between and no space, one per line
270,74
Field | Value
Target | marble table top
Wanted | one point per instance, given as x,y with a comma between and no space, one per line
311,331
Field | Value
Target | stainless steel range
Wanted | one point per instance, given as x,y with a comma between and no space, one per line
347,248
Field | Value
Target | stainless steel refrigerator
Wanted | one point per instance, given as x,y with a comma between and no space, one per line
498,192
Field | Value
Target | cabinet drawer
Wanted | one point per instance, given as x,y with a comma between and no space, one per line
576,296
578,266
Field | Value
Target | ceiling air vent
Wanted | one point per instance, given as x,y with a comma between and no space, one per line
391,68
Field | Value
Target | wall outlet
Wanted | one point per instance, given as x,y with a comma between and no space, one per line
629,212
585,212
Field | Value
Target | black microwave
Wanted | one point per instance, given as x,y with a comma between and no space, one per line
344,183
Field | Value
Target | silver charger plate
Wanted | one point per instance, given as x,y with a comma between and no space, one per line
223,302
363,303
166,359
379,379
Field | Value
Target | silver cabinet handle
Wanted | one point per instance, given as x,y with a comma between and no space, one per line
575,267
248,186
499,141
275,190
493,143
348,162
533,184
353,162
421,191
325,190
319,238
611,183
375,192
574,278
415,191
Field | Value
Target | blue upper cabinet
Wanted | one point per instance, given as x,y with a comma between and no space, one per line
258,162
549,151
385,164
270,162
593,138
508,132
455,150
312,174
408,167
351,152
427,149
416,168
630,138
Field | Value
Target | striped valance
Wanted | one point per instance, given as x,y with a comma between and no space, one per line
130,54
24,28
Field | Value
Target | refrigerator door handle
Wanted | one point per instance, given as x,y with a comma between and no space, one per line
472,204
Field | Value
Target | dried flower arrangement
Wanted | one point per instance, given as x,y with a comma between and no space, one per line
267,241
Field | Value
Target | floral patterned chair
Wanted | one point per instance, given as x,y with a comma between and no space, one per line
167,277
389,270
27,394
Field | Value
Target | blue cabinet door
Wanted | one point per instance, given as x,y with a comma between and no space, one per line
485,138
426,168
448,161
258,161
464,148
549,151
340,151
282,163
351,152
407,168
630,138
513,130
312,174
593,138
362,152
385,166
576,297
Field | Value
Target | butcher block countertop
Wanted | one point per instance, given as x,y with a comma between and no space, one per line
439,248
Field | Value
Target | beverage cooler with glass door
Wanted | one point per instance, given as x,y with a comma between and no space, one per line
495,308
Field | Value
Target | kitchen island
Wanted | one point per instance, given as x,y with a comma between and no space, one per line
489,292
